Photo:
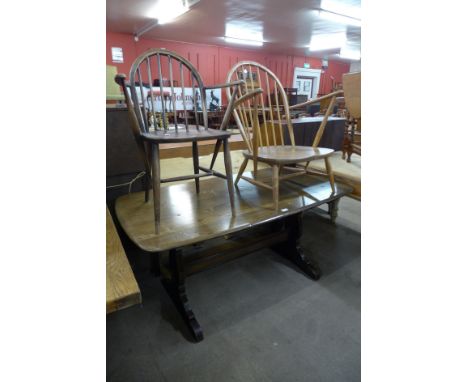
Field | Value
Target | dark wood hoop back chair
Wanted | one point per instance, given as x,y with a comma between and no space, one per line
352,94
154,123
260,121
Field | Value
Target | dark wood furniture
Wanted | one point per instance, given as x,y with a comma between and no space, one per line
200,232
291,94
121,155
144,119
265,139
352,93
305,129
215,118
121,287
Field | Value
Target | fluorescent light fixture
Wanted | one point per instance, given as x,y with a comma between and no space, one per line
243,42
341,8
349,53
327,41
339,19
166,11
339,13
244,33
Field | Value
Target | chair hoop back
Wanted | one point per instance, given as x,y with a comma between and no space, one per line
260,118
162,84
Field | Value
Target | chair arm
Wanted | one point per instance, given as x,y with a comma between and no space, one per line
226,85
247,96
316,100
233,103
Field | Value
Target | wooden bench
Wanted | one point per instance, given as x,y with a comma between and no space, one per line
121,287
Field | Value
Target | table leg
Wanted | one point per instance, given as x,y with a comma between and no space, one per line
291,248
174,283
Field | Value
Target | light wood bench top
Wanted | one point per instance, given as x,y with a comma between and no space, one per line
188,219
121,287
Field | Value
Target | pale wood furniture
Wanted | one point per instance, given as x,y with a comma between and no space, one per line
199,231
121,287
265,138
352,94
113,93
146,119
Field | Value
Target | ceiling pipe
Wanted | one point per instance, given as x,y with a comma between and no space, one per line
145,29
336,13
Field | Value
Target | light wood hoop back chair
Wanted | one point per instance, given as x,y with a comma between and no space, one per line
352,94
260,120
156,121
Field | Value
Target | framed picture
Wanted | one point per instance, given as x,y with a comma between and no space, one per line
246,75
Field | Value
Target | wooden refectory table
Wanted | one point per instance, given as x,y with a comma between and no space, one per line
199,231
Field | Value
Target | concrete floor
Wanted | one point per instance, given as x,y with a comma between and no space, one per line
263,319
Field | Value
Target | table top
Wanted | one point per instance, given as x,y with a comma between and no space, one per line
188,218
121,287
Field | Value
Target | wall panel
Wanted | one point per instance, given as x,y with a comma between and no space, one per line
214,62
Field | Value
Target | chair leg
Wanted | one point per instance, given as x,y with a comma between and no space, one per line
228,168
345,146
156,186
241,170
275,184
147,159
147,180
215,153
196,168
330,174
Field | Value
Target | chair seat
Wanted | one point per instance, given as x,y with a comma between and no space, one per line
288,154
171,136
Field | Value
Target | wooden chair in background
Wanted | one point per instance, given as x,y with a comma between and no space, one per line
149,135
352,94
260,123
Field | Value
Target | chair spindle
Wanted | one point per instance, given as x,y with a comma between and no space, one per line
173,97
161,90
183,95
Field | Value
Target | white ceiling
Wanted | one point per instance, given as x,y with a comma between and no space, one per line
287,24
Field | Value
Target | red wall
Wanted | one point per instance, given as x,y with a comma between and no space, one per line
213,62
